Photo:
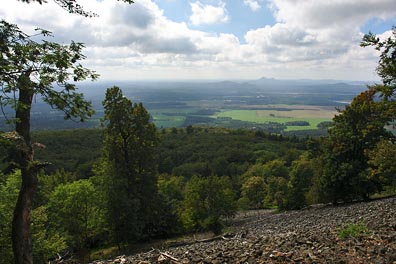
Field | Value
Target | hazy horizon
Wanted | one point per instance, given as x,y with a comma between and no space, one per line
218,39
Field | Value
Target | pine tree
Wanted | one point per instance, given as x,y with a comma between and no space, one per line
130,156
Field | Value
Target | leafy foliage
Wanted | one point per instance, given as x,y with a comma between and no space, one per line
74,210
9,187
72,6
356,130
30,68
301,180
253,189
44,68
359,128
383,163
353,230
48,242
130,143
206,200
171,195
386,68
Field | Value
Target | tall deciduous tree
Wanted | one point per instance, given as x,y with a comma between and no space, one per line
206,201
359,128
301,174
74,208
356,130
44,69
383,164
386,68
130,147
254,190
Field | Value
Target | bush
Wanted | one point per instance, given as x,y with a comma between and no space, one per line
353,230
206,201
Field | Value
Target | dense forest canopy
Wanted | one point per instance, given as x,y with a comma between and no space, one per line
32,68
29,68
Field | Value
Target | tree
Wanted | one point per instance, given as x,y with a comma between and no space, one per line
74,208
28,69
130,142
301,175
206,200
170,189
9,186
386,68
276,176
47,242
72,6
253,189
383,164
358,129
275,168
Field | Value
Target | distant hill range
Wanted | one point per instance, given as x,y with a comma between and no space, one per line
226,87
187,100
300,82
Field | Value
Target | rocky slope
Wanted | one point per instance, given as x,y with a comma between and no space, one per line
306,236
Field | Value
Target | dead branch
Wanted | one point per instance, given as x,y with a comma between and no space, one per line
206,240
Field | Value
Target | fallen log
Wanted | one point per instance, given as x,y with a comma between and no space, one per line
206,240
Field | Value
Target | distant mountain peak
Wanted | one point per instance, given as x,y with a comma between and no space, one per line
266,78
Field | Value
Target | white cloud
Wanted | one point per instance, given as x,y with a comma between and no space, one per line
280,35
310,39
316,31
325,14
207,14
252,4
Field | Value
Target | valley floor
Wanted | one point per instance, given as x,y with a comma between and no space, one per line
307,236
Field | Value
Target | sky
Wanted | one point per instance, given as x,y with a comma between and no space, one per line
217,39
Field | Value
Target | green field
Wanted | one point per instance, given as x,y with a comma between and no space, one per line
312,114
279,113
170,117
167,121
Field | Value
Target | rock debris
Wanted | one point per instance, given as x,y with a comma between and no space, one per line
305,236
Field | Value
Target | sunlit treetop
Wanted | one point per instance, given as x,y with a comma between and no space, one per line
386,68
42,68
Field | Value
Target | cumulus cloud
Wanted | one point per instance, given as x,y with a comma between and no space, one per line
138,16
252,4
316,30
325,14
207,14
280,35
139,41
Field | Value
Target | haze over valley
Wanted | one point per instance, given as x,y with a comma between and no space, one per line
268,104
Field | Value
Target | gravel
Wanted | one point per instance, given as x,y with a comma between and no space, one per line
306,236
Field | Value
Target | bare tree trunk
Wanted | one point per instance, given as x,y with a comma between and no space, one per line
21,232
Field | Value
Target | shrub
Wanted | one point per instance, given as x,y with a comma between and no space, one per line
353,230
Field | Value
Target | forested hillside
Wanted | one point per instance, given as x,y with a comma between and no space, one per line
70,193
233,169
77,150
189,161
